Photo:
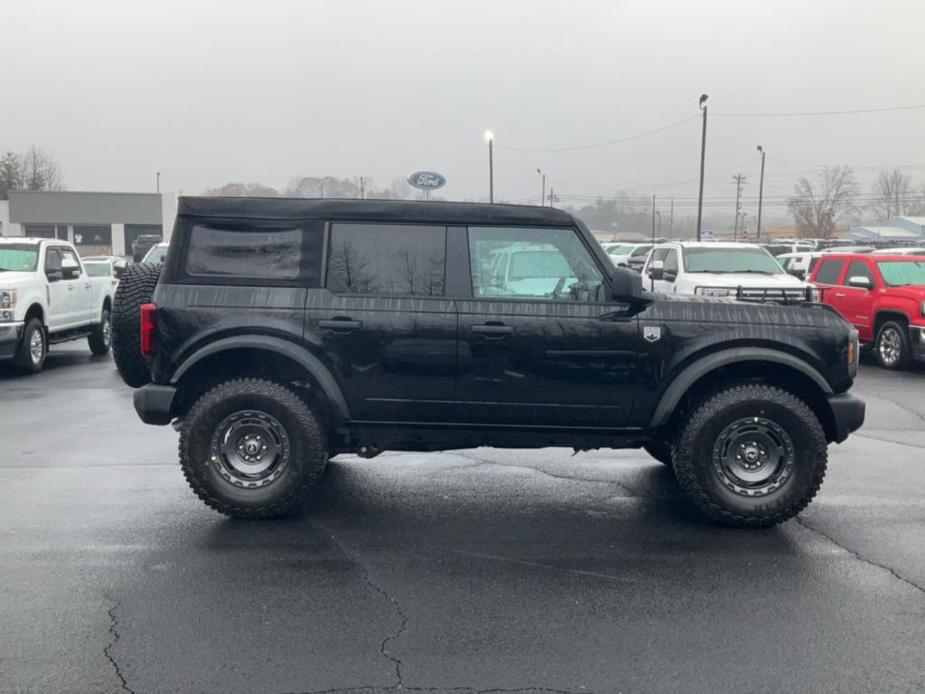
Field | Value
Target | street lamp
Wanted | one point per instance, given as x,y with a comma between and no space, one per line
157,182
760,193
703,151
543,188
490,139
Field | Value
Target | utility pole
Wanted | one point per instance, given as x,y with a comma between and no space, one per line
760,193
703,152
740,181
490,139
362,188
653,219
543,188
157,182
552,197
671,220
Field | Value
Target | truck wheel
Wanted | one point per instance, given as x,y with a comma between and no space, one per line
660,450
100,339
30,357
136,287
892,346
751,456
251,448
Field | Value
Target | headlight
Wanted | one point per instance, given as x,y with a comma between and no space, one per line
7,298
715,291
6,316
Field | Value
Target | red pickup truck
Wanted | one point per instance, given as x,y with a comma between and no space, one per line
883,296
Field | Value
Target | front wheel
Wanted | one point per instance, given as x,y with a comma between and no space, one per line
252,448
892,346
751,456
30,357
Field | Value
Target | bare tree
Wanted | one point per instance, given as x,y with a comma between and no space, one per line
243,190
817,210
891,194
41,171
11,177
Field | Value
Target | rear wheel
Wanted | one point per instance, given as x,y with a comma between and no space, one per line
892,345
136,287
751,456
100,340
30,357
251,448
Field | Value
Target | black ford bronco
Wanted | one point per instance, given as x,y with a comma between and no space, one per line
282,332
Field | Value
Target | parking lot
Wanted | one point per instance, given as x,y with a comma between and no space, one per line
478,570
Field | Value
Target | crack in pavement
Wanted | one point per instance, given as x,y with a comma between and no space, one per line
900,406
107,649
541,565
440,690
487,461
879,438
367,577
857,556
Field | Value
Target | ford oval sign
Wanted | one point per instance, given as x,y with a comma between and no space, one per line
426,180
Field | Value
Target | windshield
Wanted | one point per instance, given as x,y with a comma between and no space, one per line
900,273
730,260
641,250
97,269
156,255
19,257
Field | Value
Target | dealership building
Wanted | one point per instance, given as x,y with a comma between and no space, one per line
96,223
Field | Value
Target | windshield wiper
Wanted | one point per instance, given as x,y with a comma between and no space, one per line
758,272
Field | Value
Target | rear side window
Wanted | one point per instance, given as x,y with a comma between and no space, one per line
286,252
829,271
395,259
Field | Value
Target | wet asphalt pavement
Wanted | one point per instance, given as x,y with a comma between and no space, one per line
475,570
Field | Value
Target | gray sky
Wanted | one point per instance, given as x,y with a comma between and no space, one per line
215,91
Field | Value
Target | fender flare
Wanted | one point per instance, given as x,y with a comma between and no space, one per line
304,358
693,372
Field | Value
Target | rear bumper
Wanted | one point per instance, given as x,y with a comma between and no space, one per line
154,403
848,412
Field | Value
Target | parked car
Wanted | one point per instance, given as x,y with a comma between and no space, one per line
712,268
156,254
142,244
362,326
633,254
47,297
800,265
112,267
849,249
883,296
780,248
910,250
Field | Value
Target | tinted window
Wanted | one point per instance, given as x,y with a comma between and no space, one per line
671,261
544,264
52,260
640,250
387,259
859,269
829,271
253,252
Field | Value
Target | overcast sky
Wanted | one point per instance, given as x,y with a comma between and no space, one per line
209,91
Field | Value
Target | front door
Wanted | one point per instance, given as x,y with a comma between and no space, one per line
58,309
541,342
856,303
384,322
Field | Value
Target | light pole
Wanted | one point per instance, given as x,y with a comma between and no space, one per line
490,139
760,194
703,151
543,189
157,182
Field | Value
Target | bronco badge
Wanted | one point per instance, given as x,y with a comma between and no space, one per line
652,333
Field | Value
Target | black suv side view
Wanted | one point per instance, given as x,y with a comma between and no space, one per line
282,332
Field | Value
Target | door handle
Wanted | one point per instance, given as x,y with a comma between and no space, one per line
70,287
492,329
340,323
839,295
88,284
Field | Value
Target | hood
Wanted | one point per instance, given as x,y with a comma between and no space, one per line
11,280
908,292
745,279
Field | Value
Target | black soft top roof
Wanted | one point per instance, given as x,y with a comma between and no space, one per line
372,210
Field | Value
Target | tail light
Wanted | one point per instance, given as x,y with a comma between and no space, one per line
148,330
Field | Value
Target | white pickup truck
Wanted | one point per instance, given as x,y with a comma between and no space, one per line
46,297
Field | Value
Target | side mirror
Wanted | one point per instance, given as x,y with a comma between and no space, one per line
71,273
669,275
54,275
656,269
860,282
627,284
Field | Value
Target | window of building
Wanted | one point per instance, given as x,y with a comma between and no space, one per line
393,259
95,235
829,271
540,264
39,231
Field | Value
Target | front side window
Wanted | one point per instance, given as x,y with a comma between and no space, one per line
393,259
829,271
671,261
725,260
539,264
900,273
859,269
18,257
250,251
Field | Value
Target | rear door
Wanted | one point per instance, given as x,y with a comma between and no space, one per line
542,344
827,278
384,322
79,289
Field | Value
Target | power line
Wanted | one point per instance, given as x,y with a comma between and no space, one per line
822,113
598,144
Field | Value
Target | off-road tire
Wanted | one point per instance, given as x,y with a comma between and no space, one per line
136,287
307,445
694,456
897,331
660,450
98,340
23,360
